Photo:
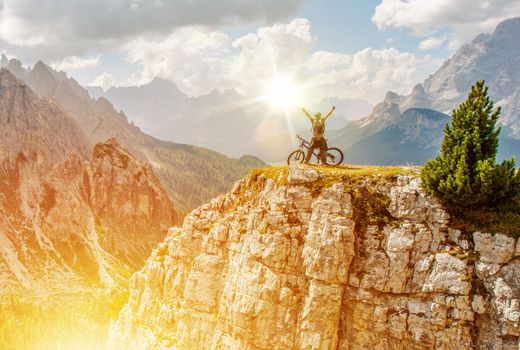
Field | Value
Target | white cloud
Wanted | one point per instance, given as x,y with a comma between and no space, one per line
199,60
432,43
274,50
72,63
464,18
104,81
193,57
64,28
369,73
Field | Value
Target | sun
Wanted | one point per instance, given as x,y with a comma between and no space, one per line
282,92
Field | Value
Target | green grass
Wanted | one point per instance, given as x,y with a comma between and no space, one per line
279,174
365,170
340,172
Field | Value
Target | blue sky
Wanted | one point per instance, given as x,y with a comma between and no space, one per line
346,26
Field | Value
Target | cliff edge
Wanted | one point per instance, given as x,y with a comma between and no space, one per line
324,258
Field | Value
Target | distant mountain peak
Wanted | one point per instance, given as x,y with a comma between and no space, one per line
418,89
508,27
494,58
392,96
4,61
14,89
29,123
163,83
40,65
15,67
7,79
42,70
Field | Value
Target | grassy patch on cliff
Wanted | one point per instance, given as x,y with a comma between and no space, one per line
278,174
332,174
361,182
359,171
356,176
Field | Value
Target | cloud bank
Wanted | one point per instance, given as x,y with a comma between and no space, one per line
64,28
199,60
464,19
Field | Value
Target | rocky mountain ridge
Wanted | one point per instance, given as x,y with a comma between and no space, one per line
391,137
309,258
35,125
226,121
190,174
70,219
493,57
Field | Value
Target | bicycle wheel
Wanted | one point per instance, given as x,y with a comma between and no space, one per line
297,157
334,156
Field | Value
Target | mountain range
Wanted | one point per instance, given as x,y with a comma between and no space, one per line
409,129
387,134
225,121
72,219
85,194
190,174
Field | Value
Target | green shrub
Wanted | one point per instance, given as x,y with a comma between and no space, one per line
466,172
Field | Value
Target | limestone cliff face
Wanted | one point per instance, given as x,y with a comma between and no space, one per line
69,220
129,202
78,224
307,259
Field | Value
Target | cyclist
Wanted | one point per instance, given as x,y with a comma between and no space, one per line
318,135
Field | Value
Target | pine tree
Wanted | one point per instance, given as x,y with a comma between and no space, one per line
466,172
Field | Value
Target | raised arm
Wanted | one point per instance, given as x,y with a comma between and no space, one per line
330,113
308,115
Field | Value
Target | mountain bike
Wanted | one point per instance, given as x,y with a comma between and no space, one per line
334,155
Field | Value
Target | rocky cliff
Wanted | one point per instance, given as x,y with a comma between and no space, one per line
77,224
349,258
69,220
31,124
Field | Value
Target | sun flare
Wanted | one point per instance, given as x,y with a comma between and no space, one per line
282,92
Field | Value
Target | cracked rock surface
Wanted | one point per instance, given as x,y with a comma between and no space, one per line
276,264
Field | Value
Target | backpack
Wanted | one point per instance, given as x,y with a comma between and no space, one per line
318,130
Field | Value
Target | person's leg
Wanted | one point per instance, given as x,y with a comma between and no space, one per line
323,156
308,155
323,152
311,148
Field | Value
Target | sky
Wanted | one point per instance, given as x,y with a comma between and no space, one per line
330,48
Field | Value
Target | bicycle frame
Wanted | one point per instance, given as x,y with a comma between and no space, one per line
333,153
304,147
